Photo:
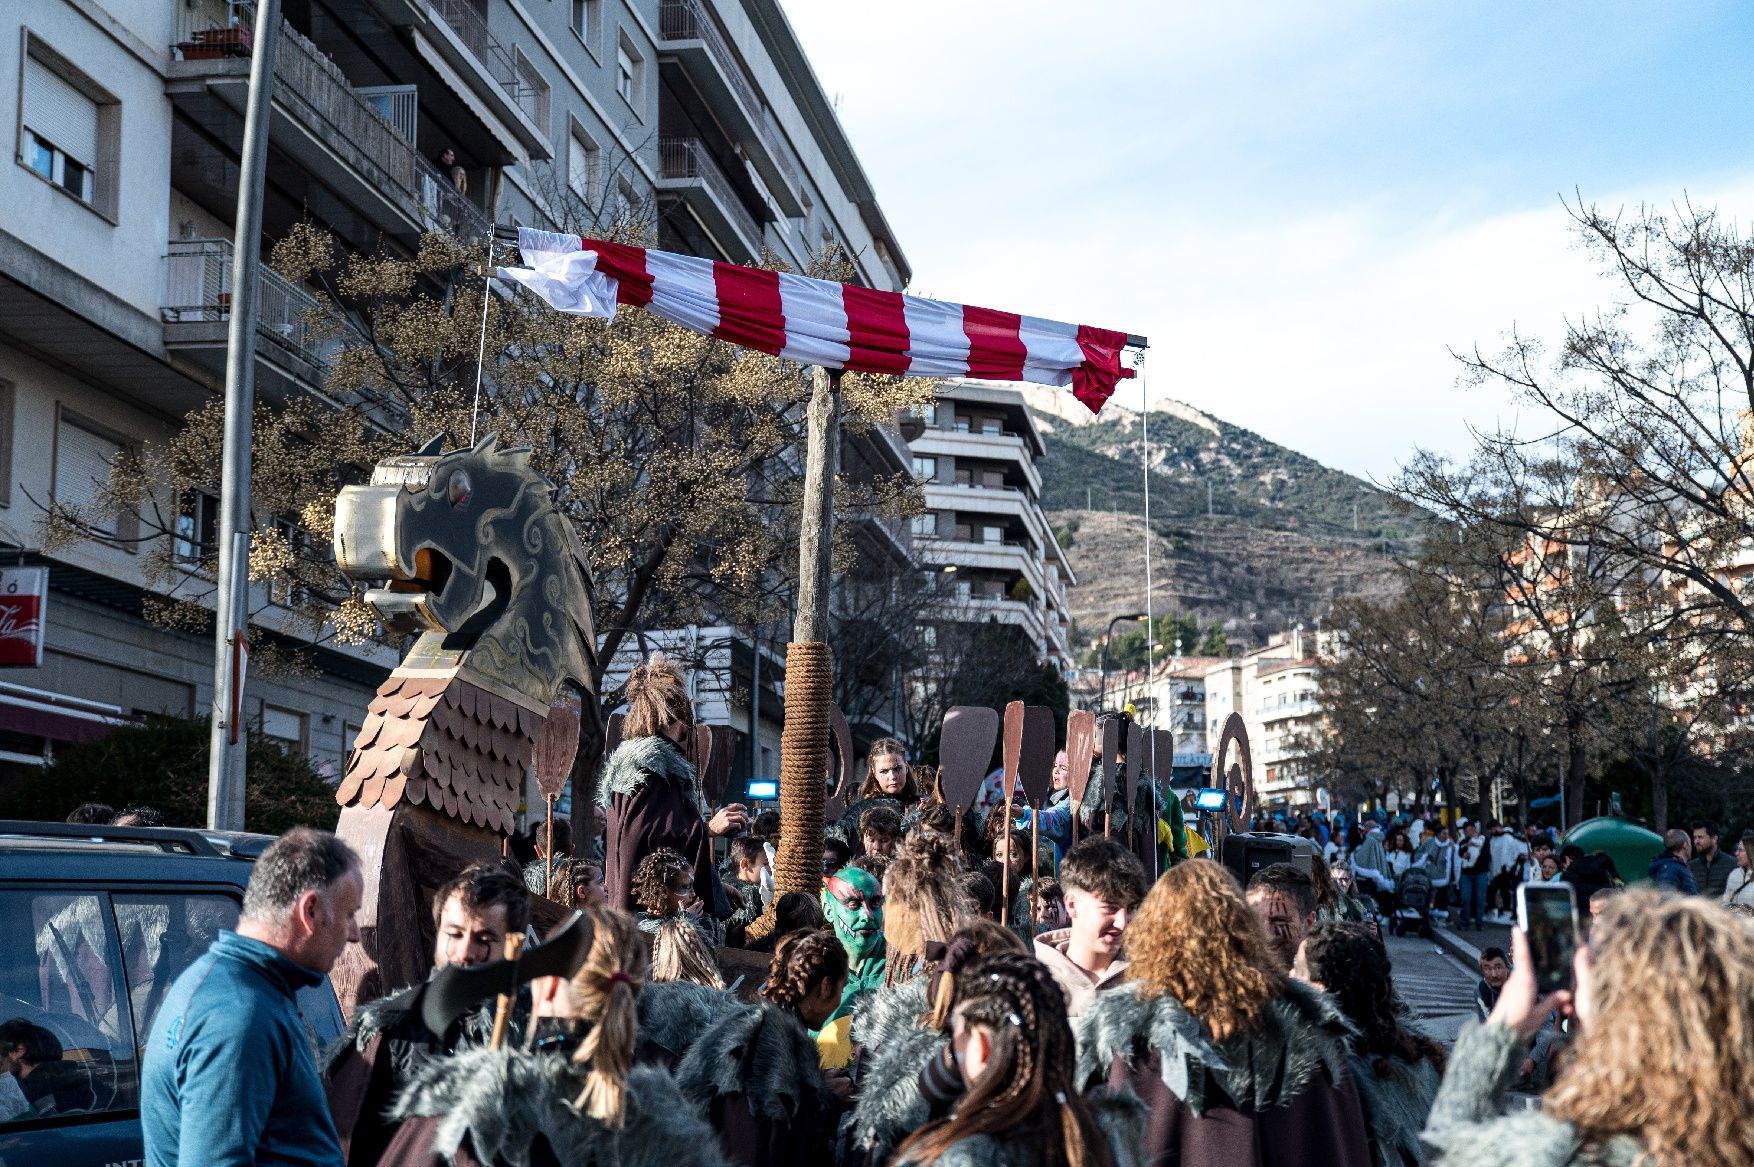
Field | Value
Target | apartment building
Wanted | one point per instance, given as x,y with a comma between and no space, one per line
1175,699
1274,689
390,118
975,456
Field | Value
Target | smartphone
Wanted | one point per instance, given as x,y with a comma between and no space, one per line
1548,913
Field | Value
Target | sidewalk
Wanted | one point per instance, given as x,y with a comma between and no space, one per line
1465,943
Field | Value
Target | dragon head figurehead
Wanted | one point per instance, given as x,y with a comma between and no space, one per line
475,560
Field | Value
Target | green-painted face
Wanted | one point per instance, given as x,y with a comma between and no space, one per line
852,899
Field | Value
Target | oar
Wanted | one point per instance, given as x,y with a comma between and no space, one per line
1012,754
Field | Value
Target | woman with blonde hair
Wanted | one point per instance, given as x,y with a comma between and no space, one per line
650,794
577,1095
1236,1063
1660,1071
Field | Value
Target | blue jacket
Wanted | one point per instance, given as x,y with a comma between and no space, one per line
229,1077
1668,871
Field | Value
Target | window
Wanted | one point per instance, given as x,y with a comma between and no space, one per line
582,155
400,105
286,726
628,71
992,534
61,975
585,23
925,468
532,89
83,457
925,526
70,131
197,535
962,424
626,203
162,934
283,587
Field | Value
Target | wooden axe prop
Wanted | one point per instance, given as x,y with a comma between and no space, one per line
1080,747
1112,742
1012,752
1035,773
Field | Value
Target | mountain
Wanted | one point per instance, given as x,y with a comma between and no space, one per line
1244,532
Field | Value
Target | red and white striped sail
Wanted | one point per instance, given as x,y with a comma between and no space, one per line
818,322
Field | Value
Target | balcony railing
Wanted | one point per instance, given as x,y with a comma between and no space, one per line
198,289
686,158
688,20
444,208
496,60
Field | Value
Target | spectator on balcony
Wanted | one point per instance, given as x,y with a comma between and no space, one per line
447,163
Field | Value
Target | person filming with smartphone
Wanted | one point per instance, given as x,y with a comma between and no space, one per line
1663,1004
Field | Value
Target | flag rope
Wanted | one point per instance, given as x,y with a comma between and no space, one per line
481,348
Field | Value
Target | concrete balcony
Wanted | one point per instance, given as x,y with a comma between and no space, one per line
456,44
291,347
1306,708
997,501
686,171
962,554
1006,611
350,166
986,447
690,38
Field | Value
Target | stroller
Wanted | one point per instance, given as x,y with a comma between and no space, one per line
1412,910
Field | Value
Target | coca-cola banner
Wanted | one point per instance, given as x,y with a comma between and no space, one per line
23,591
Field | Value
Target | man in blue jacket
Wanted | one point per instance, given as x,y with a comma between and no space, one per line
229,1076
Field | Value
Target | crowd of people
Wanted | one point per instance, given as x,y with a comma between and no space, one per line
906,1014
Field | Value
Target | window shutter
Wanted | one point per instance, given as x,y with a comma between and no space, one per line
82,467
58,113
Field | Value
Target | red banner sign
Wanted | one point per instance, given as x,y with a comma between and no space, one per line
23,592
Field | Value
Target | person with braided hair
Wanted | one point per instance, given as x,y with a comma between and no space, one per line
755,1072
1237,1063
902,1032
1015,1103
650,794
579,1094
1397,1069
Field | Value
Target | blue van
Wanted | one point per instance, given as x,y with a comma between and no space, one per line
95,924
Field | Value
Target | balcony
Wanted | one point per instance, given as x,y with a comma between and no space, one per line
290,343
687,171
350,166
444,208
1303,708
457,45
688,34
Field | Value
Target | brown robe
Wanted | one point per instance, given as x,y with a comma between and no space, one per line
650,787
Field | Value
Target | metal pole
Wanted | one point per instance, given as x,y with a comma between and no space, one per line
225,770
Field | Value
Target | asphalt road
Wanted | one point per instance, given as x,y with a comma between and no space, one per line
1438,986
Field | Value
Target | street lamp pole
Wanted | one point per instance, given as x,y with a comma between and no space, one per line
1102,693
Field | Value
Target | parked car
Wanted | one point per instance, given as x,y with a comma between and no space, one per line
96,922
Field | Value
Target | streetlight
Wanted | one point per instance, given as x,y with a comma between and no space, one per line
1102,693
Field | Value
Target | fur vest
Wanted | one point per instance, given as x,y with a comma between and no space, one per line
502,1101
1303,1033
1120,1116
890,1105
759,1051
637,761
1395,1107
672,1014
1469,1128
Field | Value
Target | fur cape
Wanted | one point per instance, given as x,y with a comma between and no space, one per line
1303,1033
1121,1117
673,1014
1395,1107
1468,1126
762,1052
637,761
502,1100
890,1105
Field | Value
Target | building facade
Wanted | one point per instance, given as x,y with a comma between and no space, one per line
983,527
390,118
1274,689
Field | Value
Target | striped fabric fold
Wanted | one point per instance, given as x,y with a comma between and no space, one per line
819,322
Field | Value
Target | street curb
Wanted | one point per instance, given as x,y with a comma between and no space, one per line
1456,946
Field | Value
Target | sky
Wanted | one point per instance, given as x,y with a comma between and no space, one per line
1305,206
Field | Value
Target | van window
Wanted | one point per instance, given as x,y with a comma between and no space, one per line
66,1036
162,934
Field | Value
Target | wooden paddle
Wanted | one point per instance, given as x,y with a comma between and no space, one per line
1135,763
1035,773
552,762
1080,744
1012,751
1111,758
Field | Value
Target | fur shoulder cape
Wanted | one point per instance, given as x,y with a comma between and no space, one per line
502,1100
1121,1117
887,1014
1395,1106
1303,1033
1468,1127
890,1105
637,761
673,1014
759,1051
